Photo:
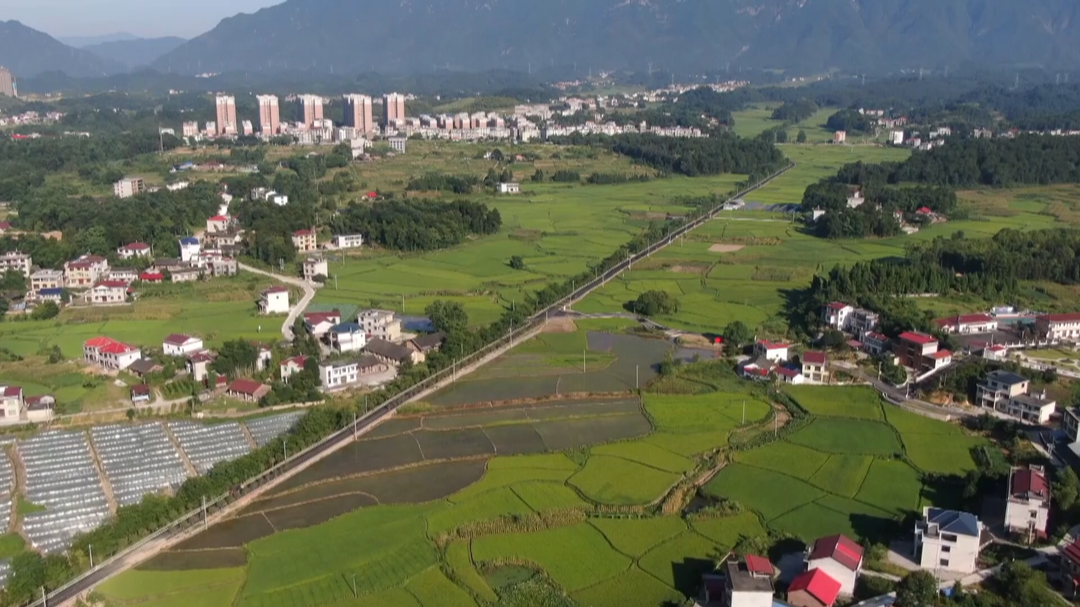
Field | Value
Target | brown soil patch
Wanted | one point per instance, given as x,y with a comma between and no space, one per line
689,269
726,248
562,324
698,341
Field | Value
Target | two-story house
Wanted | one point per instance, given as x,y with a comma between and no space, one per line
107,292
840,557
133,250
1027,506
274,300
178,344
218,223
380,324
15,262
344,373
347,337
1007,392
745,583
109,353
291,366
1058,327
189,248
948,539
315,266
771,351
11,404
348,241
83,272
843,317
318,323
815,366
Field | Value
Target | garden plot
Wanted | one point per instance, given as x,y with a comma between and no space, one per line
208,445
62,479
138,460
266,429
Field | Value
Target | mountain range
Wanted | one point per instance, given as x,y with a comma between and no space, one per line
388,36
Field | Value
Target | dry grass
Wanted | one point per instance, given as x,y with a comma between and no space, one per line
726,248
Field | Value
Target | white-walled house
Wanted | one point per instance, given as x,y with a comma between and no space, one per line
347,337
133,250
775,352
1027,507
348,241
274,300
315,266
948,539
178,344
109,353
189,249
840,557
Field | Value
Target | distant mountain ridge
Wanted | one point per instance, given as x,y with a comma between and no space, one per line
28,52
409,35
135,53
84,41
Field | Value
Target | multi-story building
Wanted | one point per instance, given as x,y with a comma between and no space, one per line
274,300
838,556
746,583
269,114
220,266
178,344
347,337
46,279
875,343
304,241
128,187
348,241
379,324
246,128
226,115
318,323
311,110
190,129
11,404
189,248
343,373
948,539
109,353
218,223
358,113
107,292
843,317
393,107
815,366
920,352
8,86
397,144
1058,327
1027,506
15,262
133,250
315,266
83,272
1008,392
965,324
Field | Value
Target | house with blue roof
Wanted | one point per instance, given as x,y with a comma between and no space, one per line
54,295
347,337
189,249
948,540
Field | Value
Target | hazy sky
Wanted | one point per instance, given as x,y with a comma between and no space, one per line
146,18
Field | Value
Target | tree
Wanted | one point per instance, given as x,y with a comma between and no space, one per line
539,176
45,311
517,263
801,138
653,303
1022,586
447,316
1066,488
737,334
917,589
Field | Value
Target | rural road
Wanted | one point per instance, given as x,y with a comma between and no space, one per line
296,310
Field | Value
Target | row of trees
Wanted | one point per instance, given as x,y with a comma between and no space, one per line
700,156
795,111
418,225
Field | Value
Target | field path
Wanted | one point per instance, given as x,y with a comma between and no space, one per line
296,310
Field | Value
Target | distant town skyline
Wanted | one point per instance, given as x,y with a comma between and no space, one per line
142,18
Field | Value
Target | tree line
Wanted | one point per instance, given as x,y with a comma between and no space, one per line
418,225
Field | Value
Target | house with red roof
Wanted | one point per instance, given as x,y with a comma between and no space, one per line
304,241
133,250
815,588
178,344
198,365
790,375
152,277
1070,570
247,390
218,223
967,324
318,323
919,351
756,368
291,366
838,556
107,292
774,351
1027,506
1058,327
815,367
109,353
744,583
11,404
83,272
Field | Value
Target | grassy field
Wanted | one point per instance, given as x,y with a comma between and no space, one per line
756,119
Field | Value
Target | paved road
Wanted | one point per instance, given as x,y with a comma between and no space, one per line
298,308
898,396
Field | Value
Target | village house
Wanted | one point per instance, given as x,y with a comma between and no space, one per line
140,394
1007,392
185,275
966,324
348,241
218,223
843,317
343,373
11,404
815,366
304,241
346,337
789,375
510,187
109,353
1027,506
318,323
124,275
814,588
875,343
392,353
198,365
840,557
274,300
263,358
54,295
948,539
855,199
745,583
1058,327
247,390
83,272
220,266
133,250
40,409
775,352
151,277
380,324
995,353
170,265
227,242
107,292
189,248
178,344
758,368
143,367
46,279
291,366
919,351
15,262
426,343
315,266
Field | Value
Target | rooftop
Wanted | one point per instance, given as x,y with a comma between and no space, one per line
940,354
819,584
177,339
768,345
136,246
840,548
1005,377
952,521
346,327
387,349
1066,317
143,365
1027,483
245,386
917,338
744,578
814,358
277,289
838,305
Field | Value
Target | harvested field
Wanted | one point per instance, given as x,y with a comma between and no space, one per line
177,560
726,248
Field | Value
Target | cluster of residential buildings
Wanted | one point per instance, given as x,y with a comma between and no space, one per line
18,408
771,360
32,118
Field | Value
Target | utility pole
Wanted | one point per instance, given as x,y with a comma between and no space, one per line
637,370
43,599
91,556
354,586
744,412
583,361
284,449
204,512
354,425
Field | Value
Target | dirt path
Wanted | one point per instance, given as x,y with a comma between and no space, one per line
296,309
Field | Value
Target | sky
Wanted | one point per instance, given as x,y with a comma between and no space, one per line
144,18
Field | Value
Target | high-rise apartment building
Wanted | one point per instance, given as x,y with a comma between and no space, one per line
394,107
7,83
226,115
358,113
311,109
269,115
